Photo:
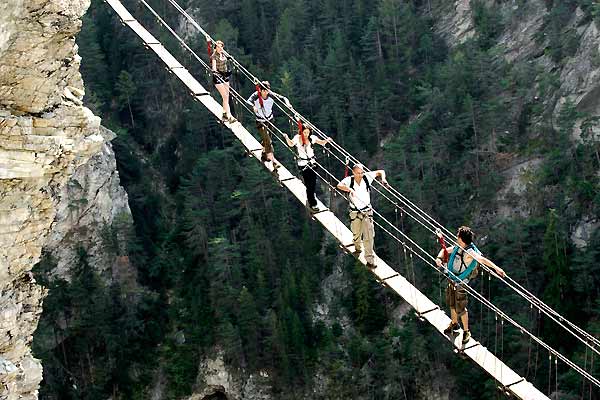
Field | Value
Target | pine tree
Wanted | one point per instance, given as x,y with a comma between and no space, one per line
555,261
248,320
126,89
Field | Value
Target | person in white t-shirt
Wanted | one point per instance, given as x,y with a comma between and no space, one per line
306,162
361,212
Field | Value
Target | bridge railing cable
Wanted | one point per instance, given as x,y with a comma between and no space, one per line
427,222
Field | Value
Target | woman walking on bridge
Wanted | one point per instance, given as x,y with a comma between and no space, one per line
221,73
305,159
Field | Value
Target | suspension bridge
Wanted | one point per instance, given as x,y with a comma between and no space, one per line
507,379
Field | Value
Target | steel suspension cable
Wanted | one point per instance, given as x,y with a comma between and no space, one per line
468,288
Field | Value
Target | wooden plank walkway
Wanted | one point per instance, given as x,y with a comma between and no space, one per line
425,308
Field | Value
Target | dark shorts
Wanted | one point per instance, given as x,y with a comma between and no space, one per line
456,298
224,77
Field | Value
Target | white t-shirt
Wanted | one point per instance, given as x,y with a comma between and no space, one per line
362,197
305,151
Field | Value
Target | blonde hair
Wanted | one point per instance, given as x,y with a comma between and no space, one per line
219,42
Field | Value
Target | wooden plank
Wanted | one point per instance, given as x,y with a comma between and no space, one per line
195,87
121,10
399,284
142,32
164,55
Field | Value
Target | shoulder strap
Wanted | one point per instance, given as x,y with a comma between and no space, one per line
451,260
366,183
467,272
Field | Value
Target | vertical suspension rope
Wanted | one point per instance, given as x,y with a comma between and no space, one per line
556,376
501,346
234,84
410,271
496,350
481,287
529,346
537,346
585,362
592,372
487,318
549,373
398,246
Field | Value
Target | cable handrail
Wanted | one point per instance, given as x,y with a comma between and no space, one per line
434,224
475,294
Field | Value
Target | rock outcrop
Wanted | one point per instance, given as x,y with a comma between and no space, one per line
524,41
217,381
45,134
90,202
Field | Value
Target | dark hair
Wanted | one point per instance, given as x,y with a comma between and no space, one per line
307,128
466,234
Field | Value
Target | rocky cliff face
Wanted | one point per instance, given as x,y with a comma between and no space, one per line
524,41
45,135
90,202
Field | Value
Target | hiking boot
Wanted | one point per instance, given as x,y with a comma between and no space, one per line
232,119
466,337
451,328
371,265
356,253
224,117
314,209
263,157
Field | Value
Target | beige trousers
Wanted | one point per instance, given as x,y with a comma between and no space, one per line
363,232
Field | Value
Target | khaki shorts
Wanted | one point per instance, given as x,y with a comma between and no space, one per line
456,298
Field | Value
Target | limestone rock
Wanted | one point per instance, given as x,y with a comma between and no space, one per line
44,137
216,379
454,20
584,230
517,179
91,200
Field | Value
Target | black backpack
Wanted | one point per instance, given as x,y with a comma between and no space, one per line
366,182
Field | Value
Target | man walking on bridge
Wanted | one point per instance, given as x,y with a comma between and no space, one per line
361,212
461,266
262,103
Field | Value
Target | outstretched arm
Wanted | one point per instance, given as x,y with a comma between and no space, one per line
323,142
489,263
288,140
381,175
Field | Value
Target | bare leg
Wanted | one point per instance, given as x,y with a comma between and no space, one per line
465,321
453,316
226,99
223,89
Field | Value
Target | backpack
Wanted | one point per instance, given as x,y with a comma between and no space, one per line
366,182
470,272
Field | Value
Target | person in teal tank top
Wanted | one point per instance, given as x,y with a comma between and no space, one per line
461,265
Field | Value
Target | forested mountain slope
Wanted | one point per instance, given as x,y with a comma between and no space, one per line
483,113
